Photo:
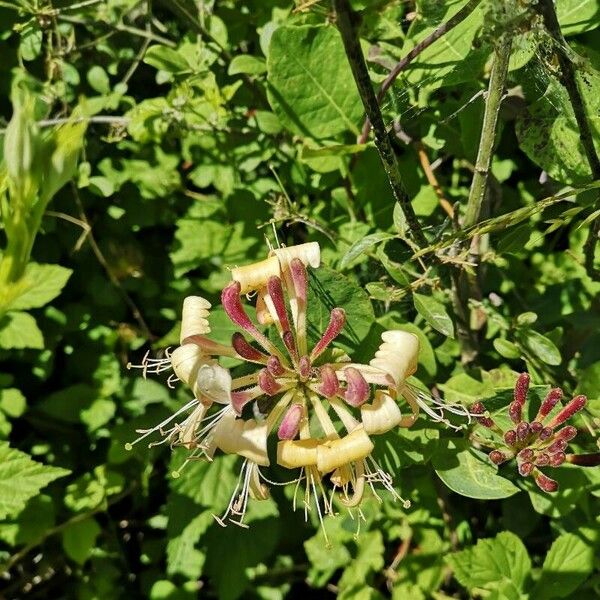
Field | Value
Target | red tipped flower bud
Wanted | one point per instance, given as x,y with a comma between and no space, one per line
498,457
275,290
274,366
479,409
304,367
568,411
267,383
290,344
567,433
549,403
329,382
230,298
510,437
546,433
337,320
522,431
245,350
535,427
521,388
557,459
357,391
542,460
525,469
515,410
557,446
545,483
290,424
300,278
526,454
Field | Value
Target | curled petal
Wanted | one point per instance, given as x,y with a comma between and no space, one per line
213,381
246,350
309,254
246,438
398,355
275,290
355,446
267,383
292,454
230,298
290,424
381,415
186,360
255,276
194,317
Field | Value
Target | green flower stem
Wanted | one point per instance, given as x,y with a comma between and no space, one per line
356,59
488,132
568,79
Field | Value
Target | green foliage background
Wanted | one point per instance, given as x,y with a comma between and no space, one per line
211,125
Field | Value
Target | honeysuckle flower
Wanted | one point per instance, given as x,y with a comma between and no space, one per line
323,409
537,443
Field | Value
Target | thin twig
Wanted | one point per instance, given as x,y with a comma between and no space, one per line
432,180
568,78
137,315
435,35
356,59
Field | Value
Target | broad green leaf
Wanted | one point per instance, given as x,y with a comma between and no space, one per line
506,348
540,346
29,524
368,560
363,245
469,472
12,402
311,88
31,40
40,284
166,59
577,16
568,563
329,289
98,79
434,313
493,564
248,64
21,478
19,330
79,539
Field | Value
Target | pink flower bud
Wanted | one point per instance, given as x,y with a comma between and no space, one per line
515,410
525,469
545,434
567,433
542,459
239,399
498,457
479,409
304,367
275,290
357,391
290,344
337,320
545,483
300,278
557,446
290,424
526,454
245,350
329,382
521,388
275,367
568,411
536,427
549,403
557,459
267,383
522,431
230,298
510,437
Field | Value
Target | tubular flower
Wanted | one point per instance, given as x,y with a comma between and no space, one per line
323,410
537,443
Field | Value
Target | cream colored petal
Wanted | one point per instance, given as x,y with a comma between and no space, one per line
246,438
398,355
309,254
381,415
332,454
212,381
255,276
194,317
186,360
293,454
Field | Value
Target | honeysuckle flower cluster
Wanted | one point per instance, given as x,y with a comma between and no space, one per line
323,409
537,443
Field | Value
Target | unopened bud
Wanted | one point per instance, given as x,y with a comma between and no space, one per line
357,391
542,459
498,457
510,437
479,409
546,433
545,483
329,382
557,446
274,366
515,410
290,424
557,459
304,367
521,388
267,383
525,469
526,454
522,431
549,403
337,320
245,350
568,411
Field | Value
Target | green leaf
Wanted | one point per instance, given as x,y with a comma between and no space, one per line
19,330
31,40
166,59
21,478
368,560
12,402
434,313
567,565
248,64
469,472
79,539
362,245
577,16
98,79
311,88
506,349
496,564
40,284
540,346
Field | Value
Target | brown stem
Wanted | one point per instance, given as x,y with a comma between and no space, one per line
435,35
584,460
